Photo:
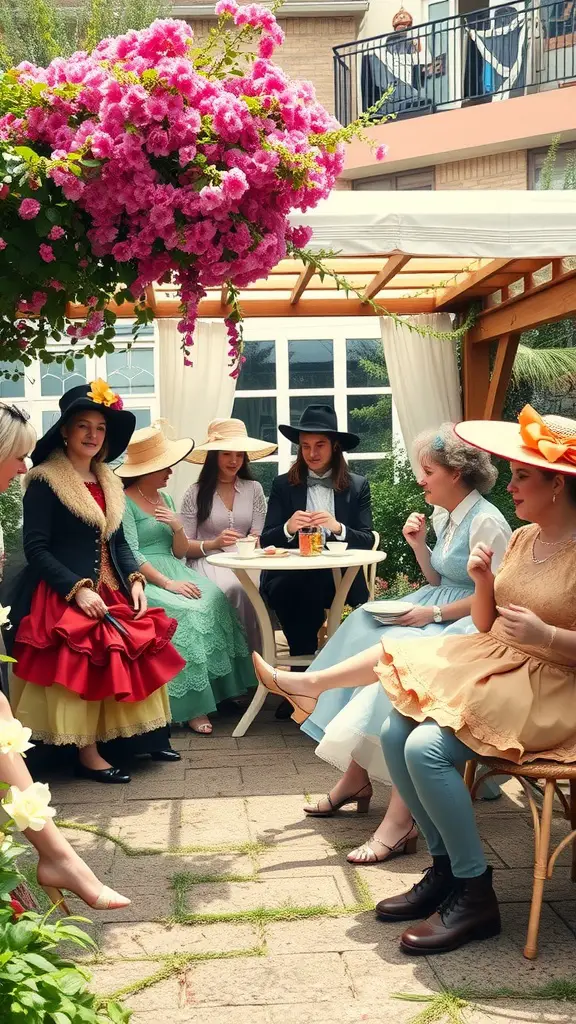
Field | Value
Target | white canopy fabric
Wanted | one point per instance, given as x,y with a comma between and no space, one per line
470,223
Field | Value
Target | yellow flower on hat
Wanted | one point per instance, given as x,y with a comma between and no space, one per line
101,392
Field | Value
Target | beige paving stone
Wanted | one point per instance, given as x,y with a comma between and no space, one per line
231,897
499,963
516,886
155,789
84,794
512,838
154,824
205,1015
109,978
134,871
147,939
555,932
211,744
232,758
281,861
509,1011
376,974
212,822
566,910
270,980
145,906
205,783
266,742
329,935
355,1011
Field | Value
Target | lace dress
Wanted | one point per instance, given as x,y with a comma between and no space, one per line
208,635
516,701
246,516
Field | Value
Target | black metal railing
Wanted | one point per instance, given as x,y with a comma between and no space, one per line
489,54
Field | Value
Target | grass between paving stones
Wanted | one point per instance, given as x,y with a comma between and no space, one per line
453,1005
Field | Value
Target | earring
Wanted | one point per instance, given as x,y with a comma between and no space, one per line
553,498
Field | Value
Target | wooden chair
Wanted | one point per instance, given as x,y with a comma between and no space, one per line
370,570
544,860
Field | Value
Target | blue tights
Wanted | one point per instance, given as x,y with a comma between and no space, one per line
423,760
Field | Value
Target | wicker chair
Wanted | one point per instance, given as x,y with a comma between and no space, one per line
551,774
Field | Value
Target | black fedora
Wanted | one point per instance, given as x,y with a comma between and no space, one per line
320,419
120,424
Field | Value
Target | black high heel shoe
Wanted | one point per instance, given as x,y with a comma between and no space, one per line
165,755
108,775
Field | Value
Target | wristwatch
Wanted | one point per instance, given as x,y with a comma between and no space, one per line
437,613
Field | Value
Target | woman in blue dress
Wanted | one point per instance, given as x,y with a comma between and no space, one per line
347,723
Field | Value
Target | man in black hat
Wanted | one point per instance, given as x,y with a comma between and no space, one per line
319,490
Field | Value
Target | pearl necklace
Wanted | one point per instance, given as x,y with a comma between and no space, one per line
149,500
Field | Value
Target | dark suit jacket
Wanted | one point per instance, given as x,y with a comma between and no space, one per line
352,508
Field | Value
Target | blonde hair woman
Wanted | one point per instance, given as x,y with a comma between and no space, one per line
59,866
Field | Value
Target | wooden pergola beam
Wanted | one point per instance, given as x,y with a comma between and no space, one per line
475,378
392,267
256,308
302,283
544,304
459,292
501,372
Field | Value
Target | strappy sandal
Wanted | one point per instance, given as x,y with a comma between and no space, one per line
362,800
268,677
203,729
366,855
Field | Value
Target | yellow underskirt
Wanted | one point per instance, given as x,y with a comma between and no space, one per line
55,715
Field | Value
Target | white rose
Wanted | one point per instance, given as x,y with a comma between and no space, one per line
30,807
5,616
14,737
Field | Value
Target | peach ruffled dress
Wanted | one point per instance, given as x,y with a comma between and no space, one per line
501,699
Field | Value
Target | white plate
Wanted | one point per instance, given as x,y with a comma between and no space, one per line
387,608
336,554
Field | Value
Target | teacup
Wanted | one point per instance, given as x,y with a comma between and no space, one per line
336,547
246,546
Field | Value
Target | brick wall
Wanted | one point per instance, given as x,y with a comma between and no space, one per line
498,170
307,52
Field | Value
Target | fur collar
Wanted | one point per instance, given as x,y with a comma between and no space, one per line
57,471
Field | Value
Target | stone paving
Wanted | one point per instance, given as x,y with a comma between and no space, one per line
246,911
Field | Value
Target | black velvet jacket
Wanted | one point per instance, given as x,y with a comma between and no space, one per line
352,508
65,532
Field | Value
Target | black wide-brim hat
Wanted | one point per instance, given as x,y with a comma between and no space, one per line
120,425
320,419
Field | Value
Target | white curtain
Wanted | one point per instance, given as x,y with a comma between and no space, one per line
423,374
192,396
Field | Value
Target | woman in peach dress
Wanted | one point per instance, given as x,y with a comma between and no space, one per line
507,691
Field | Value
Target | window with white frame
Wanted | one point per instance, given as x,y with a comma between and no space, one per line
406,181
131,372
561,172
293,363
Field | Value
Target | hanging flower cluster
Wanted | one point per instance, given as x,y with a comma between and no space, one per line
150,160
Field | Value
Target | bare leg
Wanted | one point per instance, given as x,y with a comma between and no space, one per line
303,690
58,864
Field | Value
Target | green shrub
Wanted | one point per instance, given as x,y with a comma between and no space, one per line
11,514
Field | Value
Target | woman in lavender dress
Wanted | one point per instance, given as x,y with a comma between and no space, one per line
225,504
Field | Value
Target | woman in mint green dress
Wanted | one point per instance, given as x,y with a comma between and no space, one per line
209,634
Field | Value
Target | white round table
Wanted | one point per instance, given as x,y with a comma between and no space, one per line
344,568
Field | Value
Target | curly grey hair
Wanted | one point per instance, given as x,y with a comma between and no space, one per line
444,447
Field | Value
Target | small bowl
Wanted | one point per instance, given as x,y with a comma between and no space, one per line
336,547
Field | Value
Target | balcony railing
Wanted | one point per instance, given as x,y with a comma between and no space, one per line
487,55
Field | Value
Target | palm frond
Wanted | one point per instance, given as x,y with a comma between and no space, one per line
544,368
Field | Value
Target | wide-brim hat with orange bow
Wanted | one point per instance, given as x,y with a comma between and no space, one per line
152,449
548,442
230,436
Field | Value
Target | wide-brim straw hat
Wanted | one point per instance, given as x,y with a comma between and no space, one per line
548,442
230,436
151,449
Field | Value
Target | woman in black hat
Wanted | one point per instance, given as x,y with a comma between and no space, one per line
319,490
92,661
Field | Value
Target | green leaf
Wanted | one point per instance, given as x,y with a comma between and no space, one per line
39,961
60,1018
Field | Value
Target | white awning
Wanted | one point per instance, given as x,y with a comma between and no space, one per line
470,223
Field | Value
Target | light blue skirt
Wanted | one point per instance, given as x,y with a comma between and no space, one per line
347,723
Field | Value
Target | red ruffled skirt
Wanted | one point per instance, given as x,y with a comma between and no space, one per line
58,643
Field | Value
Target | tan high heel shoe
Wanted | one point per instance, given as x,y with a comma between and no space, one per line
107,900
362,800
268,676
365,854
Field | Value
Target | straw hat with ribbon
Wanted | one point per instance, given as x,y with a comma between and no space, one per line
152,449
548,442
230,436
